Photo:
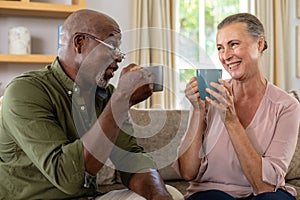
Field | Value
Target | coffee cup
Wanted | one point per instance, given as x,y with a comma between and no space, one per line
158,73
204,78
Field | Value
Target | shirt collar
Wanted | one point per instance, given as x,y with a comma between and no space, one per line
68,84
63,78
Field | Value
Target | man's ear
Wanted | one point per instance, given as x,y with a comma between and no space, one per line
78,42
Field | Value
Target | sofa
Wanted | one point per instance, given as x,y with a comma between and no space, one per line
159,132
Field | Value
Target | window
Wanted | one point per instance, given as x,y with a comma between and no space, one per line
195,43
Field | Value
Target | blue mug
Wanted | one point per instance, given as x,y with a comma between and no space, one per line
204,77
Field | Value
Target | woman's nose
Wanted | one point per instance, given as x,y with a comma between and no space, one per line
227,54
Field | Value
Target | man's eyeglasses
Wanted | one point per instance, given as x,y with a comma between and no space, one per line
116,51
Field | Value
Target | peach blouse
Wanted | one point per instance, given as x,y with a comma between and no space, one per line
273,132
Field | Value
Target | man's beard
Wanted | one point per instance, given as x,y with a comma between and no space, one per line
100,80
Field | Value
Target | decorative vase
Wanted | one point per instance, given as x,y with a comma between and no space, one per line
19,41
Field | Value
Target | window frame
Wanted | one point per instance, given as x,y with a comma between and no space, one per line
206,61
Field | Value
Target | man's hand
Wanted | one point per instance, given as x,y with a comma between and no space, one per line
135,81
149,185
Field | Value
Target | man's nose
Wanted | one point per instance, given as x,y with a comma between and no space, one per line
119,59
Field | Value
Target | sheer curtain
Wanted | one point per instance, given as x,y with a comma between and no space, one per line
154,23
275,61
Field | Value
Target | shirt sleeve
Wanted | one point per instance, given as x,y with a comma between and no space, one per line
128,156
29,116
276,159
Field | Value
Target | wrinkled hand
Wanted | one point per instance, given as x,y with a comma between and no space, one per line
192,94
136,82
149,184
224,100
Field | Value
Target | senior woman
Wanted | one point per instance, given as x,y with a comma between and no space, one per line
239,146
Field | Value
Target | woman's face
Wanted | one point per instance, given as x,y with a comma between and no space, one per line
238,51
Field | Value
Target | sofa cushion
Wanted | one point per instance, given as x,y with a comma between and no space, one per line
160,133
107,174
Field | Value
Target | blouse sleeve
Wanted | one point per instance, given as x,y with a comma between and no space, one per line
277,157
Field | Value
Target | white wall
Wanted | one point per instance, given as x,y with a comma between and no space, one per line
119,10
294,21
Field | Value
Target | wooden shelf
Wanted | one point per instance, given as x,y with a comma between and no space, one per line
30,58
35,9
27,8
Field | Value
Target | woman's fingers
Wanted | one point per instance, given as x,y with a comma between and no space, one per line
192,94
222,95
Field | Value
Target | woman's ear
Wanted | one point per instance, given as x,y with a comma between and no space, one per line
78,42
261,44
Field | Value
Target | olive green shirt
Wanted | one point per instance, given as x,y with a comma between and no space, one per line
41,154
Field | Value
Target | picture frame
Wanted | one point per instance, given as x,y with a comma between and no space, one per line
298,8
298,51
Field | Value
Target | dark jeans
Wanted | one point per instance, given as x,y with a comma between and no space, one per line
220,195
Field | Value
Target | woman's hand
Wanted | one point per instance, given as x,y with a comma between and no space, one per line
192,94
224,100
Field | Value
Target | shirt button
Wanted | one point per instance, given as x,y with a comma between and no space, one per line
76,89
82,108
69,92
